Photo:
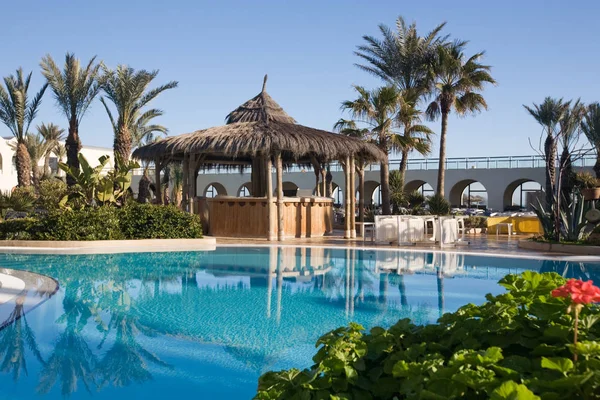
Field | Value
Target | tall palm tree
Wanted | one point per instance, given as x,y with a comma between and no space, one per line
591,128
570,129
60,152
378,110
415,135
548,114
74,89
53,135
17,112
144,132
458,81
128,90
402,58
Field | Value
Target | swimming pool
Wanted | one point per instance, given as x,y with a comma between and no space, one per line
207,324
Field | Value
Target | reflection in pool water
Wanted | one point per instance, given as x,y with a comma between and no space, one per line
207,324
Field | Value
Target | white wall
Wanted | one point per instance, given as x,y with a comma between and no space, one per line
8,173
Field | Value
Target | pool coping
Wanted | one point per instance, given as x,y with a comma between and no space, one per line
581,250
106,246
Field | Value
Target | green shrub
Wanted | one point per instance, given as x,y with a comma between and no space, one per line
50,193
136,221
415,199
438,205
517,345
476,222
147,221
18,229
101,223
19,199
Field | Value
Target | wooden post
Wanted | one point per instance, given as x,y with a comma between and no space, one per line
279,163
185,181
347,234
323,183
269,177
191,183
353,198
157,191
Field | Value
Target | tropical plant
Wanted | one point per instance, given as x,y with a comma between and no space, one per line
591,128
517,345
50,192
549,114
74,89
415,199
176,181
97,187
21,199
397,195
128,90
458,81
585,180
378,110
575,226
17,112
438,205
52,135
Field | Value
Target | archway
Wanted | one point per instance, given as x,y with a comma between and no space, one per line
244,190
469,193
372,193
420,186
215,189
337,194
521,194
290,189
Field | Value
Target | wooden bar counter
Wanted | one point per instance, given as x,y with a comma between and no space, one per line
242,217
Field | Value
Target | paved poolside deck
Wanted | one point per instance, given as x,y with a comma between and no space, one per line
490,244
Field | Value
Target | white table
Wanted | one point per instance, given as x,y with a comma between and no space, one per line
508,228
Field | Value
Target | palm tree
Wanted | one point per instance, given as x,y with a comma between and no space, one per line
74,90
128,90
36,147
570,129
415,136
17,112
176,183
53,135
378,110
144,132
548,114
60,152
402,58
458,80
591,127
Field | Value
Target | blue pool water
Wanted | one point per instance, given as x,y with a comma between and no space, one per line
207,324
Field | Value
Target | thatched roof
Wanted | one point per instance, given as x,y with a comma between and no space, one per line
260,127
242,141
260,108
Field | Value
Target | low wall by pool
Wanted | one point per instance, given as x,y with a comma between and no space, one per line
521,225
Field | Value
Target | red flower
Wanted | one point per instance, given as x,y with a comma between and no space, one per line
579,291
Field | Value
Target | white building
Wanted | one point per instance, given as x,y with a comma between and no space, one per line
8,172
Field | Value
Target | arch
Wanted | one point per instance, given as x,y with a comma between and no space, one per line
214,189
516,193
419,185
290,189
337,194
371,191
463,193
244,190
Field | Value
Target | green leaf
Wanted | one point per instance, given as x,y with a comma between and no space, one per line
510,390
559,364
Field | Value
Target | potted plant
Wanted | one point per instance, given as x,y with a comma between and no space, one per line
588,184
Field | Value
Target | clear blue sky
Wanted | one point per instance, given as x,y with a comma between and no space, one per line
219,52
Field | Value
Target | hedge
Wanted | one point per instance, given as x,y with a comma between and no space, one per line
134,221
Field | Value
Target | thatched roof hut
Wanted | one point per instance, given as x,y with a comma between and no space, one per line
259,133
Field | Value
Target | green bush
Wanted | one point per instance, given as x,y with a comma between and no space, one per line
147,221
517,345
50,193
136,221
476,222
438,205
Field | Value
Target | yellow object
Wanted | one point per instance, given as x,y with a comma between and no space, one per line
521,225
